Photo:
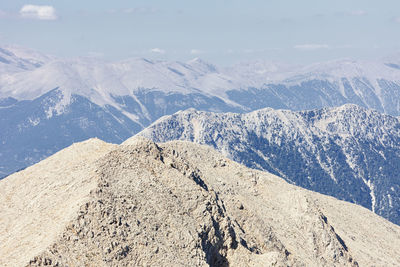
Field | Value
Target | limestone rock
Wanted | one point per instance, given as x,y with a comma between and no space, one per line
178,204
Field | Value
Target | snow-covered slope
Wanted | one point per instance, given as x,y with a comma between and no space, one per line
11,61
369,84
348,152
98,80
35,57
248,85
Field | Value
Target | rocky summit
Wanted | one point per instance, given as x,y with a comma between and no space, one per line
177,204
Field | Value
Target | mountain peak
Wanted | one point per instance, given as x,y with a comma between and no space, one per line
212,210
203,65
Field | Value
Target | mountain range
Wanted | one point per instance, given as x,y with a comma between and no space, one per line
330,127
349,152
48,103
98,204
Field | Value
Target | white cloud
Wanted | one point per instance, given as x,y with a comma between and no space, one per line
358,13
157,50
196,52
311,46
248,51
260,50
345,46
38,12
140,10
353,13
112,11
95,54
397,19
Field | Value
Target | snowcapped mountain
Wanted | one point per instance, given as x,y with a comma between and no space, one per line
369,84
10,62
47,103
88,76
348,152
49,107
246,86
35,57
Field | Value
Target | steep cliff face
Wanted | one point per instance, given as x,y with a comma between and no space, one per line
177,204
348,152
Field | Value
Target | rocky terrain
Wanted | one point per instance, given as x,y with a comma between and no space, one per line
178,203
349,152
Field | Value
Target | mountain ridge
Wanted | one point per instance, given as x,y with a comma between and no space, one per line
213,212
114,100
121,78
348,152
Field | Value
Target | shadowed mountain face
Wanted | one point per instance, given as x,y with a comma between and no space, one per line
35,129
32,130
177,203
349,152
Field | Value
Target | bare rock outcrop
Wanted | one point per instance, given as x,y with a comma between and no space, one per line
182,204
37,203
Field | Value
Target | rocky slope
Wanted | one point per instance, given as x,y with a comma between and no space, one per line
348,152
95,204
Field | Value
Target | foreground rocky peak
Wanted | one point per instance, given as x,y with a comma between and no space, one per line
180,203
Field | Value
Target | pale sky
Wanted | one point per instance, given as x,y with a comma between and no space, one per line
219,31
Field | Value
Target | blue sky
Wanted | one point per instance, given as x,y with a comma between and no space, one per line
220,31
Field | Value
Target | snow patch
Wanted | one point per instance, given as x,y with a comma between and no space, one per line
60,105
34,121
372,193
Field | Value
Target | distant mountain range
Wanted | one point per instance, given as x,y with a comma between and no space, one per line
349,152
47,103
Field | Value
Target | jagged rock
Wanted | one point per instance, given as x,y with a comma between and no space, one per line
175,204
